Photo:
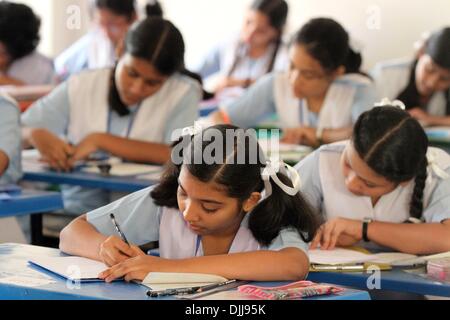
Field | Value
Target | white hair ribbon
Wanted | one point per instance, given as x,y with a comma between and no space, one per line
432,163
270,172
193,130
386,103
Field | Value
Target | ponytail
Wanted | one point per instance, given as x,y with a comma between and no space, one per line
280,211
153,9
416,206
353,62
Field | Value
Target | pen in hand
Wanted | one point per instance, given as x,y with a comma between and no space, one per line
116,226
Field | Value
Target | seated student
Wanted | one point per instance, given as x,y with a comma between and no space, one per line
319,99
422,84
99,48
209,218
384,186
20,63
259,49
128,111
10,142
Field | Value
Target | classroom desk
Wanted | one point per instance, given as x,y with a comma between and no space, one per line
88,180
394,280
13,262
31,202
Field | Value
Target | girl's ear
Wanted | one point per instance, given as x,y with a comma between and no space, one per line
251,202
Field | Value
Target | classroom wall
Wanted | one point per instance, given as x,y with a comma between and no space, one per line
387,28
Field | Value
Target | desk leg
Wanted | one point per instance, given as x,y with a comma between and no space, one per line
37,238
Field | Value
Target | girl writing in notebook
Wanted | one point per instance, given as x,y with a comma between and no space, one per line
423,83
321,96
129,111
233,216
384,186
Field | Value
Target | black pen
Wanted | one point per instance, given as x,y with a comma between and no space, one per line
116,225
191,290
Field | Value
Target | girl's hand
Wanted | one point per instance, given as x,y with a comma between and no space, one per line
54,151
114,251
424,118
338,231
85,148
132,269
303,135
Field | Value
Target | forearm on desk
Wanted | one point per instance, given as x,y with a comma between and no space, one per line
334,135
134,150
4,162
286,264
80,238
427,238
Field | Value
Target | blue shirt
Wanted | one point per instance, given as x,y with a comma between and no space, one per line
258,103
10,140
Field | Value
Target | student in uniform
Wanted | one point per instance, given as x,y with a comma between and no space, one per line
384,186
100,47
20,63
10,142
209,218
423,83
129,111
239,62
321,96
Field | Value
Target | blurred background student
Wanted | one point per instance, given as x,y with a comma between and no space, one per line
259,49
20,63
422,83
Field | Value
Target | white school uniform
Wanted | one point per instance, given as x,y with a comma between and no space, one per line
33,69
143,222
93,51
347,97
80,107
392,77
324,186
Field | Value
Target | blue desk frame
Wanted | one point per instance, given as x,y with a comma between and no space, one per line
31,202
13,262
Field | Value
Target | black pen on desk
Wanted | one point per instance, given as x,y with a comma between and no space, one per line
116,225
191,290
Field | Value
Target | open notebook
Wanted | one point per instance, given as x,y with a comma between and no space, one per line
71,268
166,280
341,256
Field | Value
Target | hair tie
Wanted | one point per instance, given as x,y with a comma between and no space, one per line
270,172
388,103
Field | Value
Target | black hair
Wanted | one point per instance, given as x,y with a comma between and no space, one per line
394,145
19,29
329,43
159,42
153,9
239,181
277,12
126,8
438,48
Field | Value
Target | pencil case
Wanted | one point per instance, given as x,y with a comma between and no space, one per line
296,290
439,269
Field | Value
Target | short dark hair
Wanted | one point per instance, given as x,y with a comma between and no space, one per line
19,29
125,8
239,181
394,145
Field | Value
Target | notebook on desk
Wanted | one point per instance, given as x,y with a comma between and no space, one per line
167,280
71,268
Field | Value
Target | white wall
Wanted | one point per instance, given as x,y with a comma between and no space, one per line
204,22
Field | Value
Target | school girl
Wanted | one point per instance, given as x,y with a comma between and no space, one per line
321,96
259,49
129,111
227,217
384,188
20,63
423,83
